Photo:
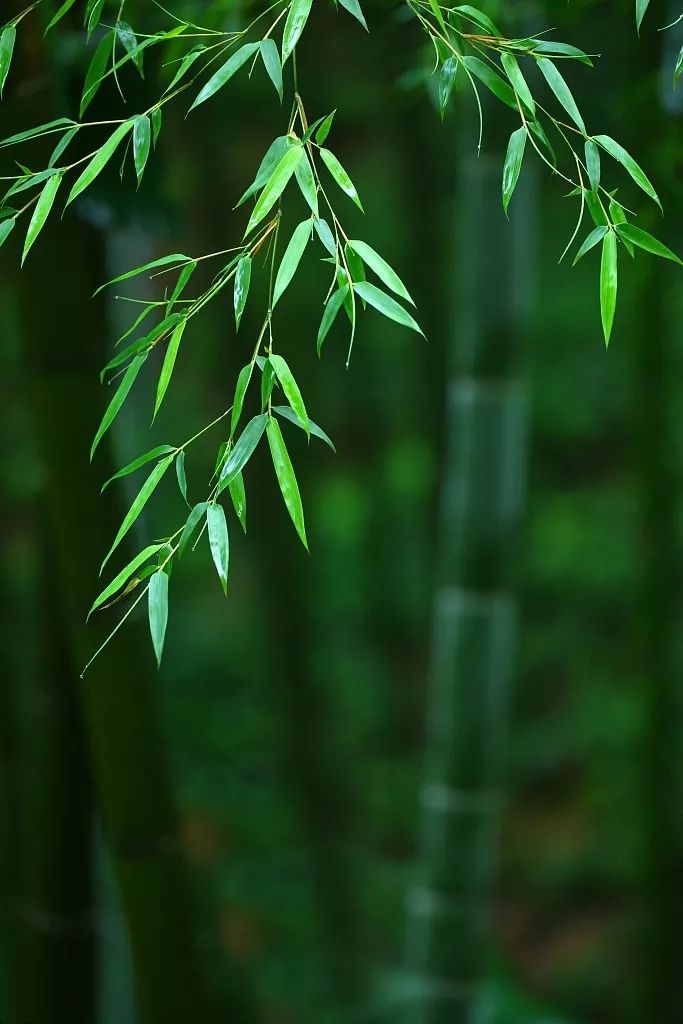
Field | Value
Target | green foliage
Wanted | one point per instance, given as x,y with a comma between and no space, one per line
469,49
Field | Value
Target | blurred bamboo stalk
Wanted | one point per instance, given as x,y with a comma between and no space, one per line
475,609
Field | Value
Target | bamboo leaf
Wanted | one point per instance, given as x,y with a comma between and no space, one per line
242,282
287,413
157,603
596,235
225,73
323,129
168,365
64,9
593,164
180,285
240,392
270,56
7,41
180,474
385,273
141,499
447,76
561,90
340,176
41,212
163,261
517,80
618,152
6,226
354,8
96,71
273,155
291,258
479,18
99,161
219,541
286,478
154,453
324,232
119,398
294,25
142,141
513,164
644,240
238,496
307,184
491,79
387,306
124,576
242,451
290,388
608,283
275,186
193,520
333,306
61,124
641,8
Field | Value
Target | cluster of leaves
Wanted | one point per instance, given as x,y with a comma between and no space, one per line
468,47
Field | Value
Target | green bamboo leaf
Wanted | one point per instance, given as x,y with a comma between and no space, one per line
219,541
385,273
275,186
513,164
678,70
242,282
193,520
142,141
286,478
324,232
168,365
644,240
41,212
291,258
447,76
163,261
64,9
93,15
130,44
270,56
386,305
561,90
307,184
273,155
618,152
7,41
29,181
185,65
294,25
267,383
238,496
333,306
181,284
180,474
641,8
480,19
6,226
593,164
99,161
141,499
324,127
354,8
157,605
517,80
340,176
225,73
240,392
288,414
65,140
61,124
608,283
553,49
290,388
154,453
242,451
596,235
157,118
119,398
124,576
491,79
96,70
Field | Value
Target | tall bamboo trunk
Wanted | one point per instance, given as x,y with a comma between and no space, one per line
63,331
474,611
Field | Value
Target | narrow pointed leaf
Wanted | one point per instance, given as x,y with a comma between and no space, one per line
291,258
124,575
491,79
157,603
340,176
618,152
238,496
323,129
307,184
608,283
7,41
142,460
142,141
513,164
242,451
41,212
447,76
6,226
385,273
294,25
354,8
561,90
270,56
290,388
334,304
241,292
641,8
193,521
99,161
275,186
596,235
225,73
240,392
517,80
119,398
168,365
288,414
644,240
96,71
141,499
64,9
163,261
180,474
219,541
593,164
386,305
286,478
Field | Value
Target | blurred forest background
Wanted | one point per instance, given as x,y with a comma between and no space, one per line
267,831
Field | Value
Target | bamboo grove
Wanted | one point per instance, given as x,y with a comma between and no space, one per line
294,212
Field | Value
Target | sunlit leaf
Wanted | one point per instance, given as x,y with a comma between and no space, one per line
608,283
242,451
219,541
154,453
124,575
333,306
294,25
180,473
241,292
385,273
225,73
157,602
644,240
354,8
7,41
141,499
340,176
99,161
291,258
119,398
275,186
41,212
513,164
384,304
288,413
290,388
168,365
193,521
286,478
238,496
596,235
270,56
142,141
626,160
